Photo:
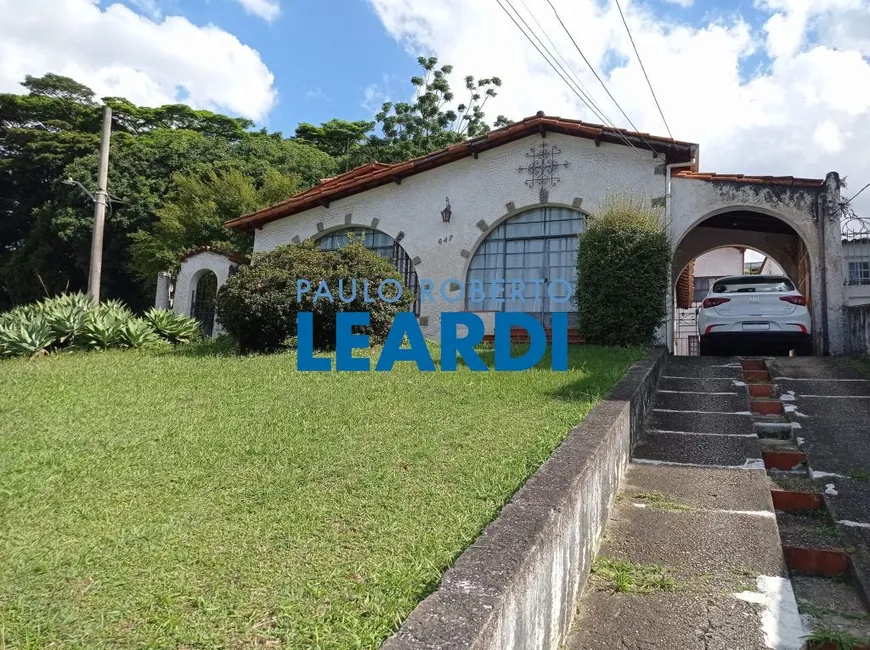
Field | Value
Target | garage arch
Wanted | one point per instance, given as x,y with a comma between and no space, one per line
755,229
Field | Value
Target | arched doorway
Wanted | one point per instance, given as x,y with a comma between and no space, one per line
778,247
381,244
202,301
539,245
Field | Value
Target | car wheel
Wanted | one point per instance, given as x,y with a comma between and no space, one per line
804,349
706,348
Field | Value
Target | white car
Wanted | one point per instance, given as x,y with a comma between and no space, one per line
757,311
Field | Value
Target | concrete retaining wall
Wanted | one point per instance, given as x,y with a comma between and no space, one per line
516,586
858,329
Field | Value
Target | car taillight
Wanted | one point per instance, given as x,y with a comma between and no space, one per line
795,300
714,302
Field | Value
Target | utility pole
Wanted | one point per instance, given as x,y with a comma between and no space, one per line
101,197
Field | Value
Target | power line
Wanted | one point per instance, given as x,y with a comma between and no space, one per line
859,191
600,80
574,76
585,95
561,76
639,60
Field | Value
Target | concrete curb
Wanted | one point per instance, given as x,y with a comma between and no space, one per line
516,586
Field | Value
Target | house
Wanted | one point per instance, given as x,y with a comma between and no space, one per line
510,204
856,257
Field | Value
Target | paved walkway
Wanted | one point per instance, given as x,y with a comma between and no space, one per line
692,556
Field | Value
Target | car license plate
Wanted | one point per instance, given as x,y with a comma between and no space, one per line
754,299
756,327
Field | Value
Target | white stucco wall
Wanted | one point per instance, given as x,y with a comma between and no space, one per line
479,190
191,269
719,262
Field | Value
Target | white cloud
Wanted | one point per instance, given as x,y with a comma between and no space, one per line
682,3
805,112
374,95
119,52
316,94
265,9
827,136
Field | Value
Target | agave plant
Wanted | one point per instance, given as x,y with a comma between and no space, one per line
173,327
27,338
19,315
99,332
136,332
114,310
66,319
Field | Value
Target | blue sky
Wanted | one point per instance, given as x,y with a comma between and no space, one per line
777,87
326,55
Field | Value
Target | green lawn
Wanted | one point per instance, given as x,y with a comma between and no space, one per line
164,499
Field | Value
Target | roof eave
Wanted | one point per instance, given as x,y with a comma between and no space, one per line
673,151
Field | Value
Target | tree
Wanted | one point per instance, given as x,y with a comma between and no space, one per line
429,123
405,130
53,133
335,137
195,212
40,134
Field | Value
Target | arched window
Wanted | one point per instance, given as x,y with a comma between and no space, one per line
202,301
536,246
380,244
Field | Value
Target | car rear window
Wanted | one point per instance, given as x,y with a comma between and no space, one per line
753,284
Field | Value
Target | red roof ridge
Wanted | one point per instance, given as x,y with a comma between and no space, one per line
749,178
375,174
240,259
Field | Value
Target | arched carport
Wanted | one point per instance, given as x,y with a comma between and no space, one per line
794,221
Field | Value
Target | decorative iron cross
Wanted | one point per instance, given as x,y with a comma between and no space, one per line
542,166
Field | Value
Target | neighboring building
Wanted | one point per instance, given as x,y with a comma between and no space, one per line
856,256
753,268
770,267
511,203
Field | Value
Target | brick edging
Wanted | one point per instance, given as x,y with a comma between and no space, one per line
515,587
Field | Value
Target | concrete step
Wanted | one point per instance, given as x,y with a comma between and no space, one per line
811,530
714,385
833,605
712,402
700,422
698,449
689,557
697,369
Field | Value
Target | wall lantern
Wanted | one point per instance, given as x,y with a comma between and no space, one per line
446,212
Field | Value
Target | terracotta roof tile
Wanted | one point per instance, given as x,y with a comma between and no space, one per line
239,259
754,180
375,174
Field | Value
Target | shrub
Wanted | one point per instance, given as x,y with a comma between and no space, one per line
258,305
622,275
73,321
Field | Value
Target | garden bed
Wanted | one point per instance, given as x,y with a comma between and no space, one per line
169,499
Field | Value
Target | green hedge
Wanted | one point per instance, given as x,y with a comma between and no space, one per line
622,275
258,305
